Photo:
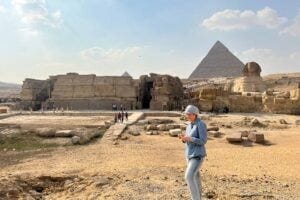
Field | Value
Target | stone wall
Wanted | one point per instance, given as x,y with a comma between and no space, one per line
167,93
219,100
78,92
33,93
282,103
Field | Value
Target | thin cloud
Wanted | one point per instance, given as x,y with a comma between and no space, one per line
270,60
293,29
2,9
229,20
34,15
100,54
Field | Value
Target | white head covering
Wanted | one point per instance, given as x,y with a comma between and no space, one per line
191,109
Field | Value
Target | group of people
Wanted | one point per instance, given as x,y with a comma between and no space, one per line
119,117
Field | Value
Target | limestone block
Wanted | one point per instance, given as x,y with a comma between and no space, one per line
256,137
175,132
105,91
125,91
234,137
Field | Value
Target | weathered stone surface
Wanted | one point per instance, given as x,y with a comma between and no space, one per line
167,92
256,122
256,137
150,127
251,80
175,132
172,126
160,121
282,121
234,137
219,62
64,133
45,132
149,132
134,133
213,128
214,133
162,127
297,122
75,140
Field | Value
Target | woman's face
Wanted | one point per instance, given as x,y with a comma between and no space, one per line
191,117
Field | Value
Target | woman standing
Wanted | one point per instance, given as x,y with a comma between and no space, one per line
195,138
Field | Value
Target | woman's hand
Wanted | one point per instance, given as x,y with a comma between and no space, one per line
186,138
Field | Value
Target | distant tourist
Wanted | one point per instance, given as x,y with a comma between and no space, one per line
119,117
126,115
195,138
114,107
121,107
116,117
122,116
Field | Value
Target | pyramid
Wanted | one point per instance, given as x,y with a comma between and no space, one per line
126,74
219,62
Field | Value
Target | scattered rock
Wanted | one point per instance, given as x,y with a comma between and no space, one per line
244,133
102,127
297,122
151,127
45,132
282,121
75,140
124,137
182,118
183,126
256,122
175,132
142,122
256,137
134,133
155,133
64,133
101,181
108,123
149,132
160,121
234,137
161,127
211,195
172,126
213,128
214,133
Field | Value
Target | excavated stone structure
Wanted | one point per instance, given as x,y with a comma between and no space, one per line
91,92
167,93
33,93
74,91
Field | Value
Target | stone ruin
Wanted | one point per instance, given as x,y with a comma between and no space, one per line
91,92
248,94
160,92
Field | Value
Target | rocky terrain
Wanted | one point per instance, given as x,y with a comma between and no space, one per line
150,164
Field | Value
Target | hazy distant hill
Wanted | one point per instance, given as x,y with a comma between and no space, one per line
10,90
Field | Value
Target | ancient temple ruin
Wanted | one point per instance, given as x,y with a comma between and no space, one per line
91,92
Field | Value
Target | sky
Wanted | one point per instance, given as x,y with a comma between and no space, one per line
39,38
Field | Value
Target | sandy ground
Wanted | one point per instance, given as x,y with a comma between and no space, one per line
152,167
